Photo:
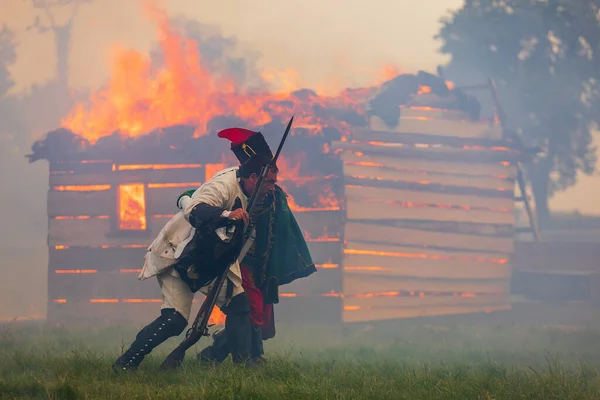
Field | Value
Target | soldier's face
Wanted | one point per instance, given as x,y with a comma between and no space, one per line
267,187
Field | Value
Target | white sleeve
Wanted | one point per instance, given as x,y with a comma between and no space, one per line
214,193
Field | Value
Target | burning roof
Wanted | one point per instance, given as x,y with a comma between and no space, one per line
177,103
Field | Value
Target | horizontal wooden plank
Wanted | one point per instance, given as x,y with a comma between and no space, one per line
372,264
357,231
98,232
128,314
440,127
320,223
316,309
394,175
326,280
427,186
106,285
353,314
424,301
358,282
81,167
101,259
132,176
432,112
557,256
373,210
325,252
498,170
162,201
358,192
399,251
369,135
81,203
141,313
439,153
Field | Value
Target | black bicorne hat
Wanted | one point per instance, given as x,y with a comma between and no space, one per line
247,144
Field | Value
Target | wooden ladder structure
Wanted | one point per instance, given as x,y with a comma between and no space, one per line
491,86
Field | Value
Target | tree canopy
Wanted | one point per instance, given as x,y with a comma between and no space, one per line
545,58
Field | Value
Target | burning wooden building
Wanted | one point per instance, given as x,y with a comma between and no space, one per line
408,208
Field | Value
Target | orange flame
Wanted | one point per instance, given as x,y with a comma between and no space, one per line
424,89
217,317
134,167
132,207
422,255
81,188
141,97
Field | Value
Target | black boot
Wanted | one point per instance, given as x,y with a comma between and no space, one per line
169,324
257,351
237,328
218,351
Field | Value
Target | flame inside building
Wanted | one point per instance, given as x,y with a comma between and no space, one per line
405,195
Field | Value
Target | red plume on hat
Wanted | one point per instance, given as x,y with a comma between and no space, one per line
236,135
246,144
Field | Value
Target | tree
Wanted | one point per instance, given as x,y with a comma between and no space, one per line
8,120
545,58
62,33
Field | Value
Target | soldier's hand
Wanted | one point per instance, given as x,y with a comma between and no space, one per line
238,214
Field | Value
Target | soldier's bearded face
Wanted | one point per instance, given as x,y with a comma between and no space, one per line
267,187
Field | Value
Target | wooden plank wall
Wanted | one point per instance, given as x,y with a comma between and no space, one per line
557,271
430,215
93,265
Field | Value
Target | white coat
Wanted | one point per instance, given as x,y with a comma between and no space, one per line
220,191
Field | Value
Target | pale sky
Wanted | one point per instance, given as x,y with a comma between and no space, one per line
332,44
341,40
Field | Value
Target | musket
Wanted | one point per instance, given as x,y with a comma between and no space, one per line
200,326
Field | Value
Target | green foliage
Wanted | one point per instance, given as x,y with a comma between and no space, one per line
545,59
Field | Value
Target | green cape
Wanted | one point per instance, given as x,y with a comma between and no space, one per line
280,254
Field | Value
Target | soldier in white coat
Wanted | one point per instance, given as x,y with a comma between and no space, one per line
181,273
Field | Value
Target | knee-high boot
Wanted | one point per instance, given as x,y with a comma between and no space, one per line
256,349
237,328
219,349
170,323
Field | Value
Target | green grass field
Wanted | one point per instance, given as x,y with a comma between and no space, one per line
460,358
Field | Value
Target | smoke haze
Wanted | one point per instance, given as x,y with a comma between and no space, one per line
327,45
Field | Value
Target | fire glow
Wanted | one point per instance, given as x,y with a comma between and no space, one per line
136,167
143,96
424,256
132,207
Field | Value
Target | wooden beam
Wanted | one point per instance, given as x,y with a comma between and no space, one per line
425,302
426,186
364,193
100,259
354,314
418,165
435,113
98,232
445,153
360,283
440,127
372,264
182,175
394,175
321,282
373,210
369,232
80,203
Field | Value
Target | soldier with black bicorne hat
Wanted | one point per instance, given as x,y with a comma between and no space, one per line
191,248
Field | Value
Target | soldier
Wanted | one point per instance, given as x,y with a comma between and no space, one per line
182,257
279,256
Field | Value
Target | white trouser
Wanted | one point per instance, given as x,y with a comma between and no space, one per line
177,294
